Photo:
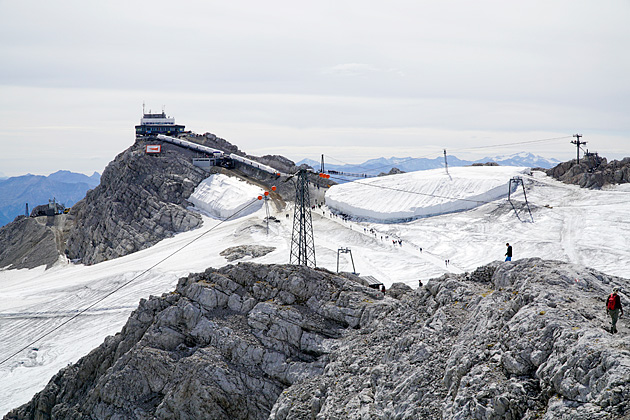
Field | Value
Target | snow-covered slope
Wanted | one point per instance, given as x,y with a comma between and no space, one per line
569,224
222,196
423,193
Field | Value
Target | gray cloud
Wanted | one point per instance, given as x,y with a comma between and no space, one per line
282,75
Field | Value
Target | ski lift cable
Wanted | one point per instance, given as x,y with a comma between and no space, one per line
456,150
514,143
84,310
412,192
382,166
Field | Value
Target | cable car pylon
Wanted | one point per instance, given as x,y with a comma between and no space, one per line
302,242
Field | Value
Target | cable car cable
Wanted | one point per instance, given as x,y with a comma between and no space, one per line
84,310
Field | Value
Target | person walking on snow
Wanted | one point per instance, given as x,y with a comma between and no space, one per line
614,309
508,254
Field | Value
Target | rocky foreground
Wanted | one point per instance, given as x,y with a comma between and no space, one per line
515,340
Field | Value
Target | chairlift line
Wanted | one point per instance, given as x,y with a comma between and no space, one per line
117,289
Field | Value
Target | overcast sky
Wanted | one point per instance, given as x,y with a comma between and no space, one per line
349,79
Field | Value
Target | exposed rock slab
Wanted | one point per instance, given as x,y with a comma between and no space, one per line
592,172
28,243
237,252
141,200
515,340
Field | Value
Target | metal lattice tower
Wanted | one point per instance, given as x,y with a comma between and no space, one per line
302,243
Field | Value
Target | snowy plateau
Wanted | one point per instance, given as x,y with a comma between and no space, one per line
462,217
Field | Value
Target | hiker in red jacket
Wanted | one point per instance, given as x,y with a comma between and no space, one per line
614,309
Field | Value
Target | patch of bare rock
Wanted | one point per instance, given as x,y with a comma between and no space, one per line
592,172
254,251
514,340
141,200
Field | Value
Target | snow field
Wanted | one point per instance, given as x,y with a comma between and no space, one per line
221,196
569,224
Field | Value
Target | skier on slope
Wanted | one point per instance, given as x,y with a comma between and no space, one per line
508,254
614,309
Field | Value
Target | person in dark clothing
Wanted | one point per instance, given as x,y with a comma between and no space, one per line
614,309
508,254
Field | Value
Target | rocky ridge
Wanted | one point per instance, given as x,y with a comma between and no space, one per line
141,200
592,172
31,242
514,340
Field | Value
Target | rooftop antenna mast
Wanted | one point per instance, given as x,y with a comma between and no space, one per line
577,144
302,243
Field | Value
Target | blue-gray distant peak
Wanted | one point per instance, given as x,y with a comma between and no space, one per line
410,164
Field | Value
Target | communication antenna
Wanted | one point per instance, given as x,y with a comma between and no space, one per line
302,242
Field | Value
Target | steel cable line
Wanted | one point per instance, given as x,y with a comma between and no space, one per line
413,192
515,143
82,311
460,149
382,166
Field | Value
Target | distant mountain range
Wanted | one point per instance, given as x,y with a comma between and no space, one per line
409,164
64,186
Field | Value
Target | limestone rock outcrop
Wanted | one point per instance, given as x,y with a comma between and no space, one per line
237,252
592,172
141,200
514,340
29,242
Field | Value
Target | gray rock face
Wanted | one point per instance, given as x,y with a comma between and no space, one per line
592,172
222,346
393,171
515,340
140,201
28,243
237,252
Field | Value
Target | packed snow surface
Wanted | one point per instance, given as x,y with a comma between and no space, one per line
423,193
222,196
567,223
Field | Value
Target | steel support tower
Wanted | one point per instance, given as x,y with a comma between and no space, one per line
302,243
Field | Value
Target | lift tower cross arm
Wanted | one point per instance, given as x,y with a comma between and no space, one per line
578,143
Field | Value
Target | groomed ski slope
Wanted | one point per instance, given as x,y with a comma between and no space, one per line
221,196
421,194
569,224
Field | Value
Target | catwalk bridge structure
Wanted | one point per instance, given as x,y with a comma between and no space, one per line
219,154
